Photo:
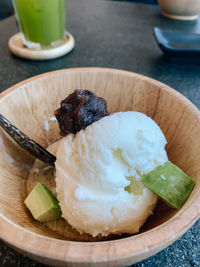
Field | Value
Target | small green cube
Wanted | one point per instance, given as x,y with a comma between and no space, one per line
42,204
170,183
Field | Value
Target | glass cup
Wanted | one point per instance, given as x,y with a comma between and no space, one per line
42,22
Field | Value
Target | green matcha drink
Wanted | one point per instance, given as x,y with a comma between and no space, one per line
41,21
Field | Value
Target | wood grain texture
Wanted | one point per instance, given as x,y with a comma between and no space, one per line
30,106
16,46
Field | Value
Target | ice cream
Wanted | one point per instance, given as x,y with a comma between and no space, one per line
99,171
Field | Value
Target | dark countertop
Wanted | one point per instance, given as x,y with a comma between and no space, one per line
114,35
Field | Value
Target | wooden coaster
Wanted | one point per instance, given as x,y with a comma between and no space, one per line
16,46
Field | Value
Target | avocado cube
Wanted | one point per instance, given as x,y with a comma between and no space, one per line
42,204
170,183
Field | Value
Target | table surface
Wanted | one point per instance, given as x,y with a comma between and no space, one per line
113,35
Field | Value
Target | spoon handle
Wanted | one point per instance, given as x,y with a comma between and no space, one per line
27,143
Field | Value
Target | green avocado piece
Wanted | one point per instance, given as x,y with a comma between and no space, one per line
42,204
170,183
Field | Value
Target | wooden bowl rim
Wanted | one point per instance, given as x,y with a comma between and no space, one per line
80,252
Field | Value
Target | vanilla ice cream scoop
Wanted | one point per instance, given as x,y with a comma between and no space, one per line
99,171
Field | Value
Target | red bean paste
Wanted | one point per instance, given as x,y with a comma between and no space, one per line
78,110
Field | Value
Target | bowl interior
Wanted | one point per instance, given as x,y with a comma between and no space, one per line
30,106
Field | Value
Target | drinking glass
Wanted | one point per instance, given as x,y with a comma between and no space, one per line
42,22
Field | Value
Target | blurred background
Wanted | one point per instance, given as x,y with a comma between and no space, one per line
6,8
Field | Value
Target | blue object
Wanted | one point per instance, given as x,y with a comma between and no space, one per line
178,45
6,9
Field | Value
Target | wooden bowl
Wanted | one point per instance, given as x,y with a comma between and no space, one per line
30,105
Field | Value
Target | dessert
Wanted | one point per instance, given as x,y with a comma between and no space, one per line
78,110
105,168
99,172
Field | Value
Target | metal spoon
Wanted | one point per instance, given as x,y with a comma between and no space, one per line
27,143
